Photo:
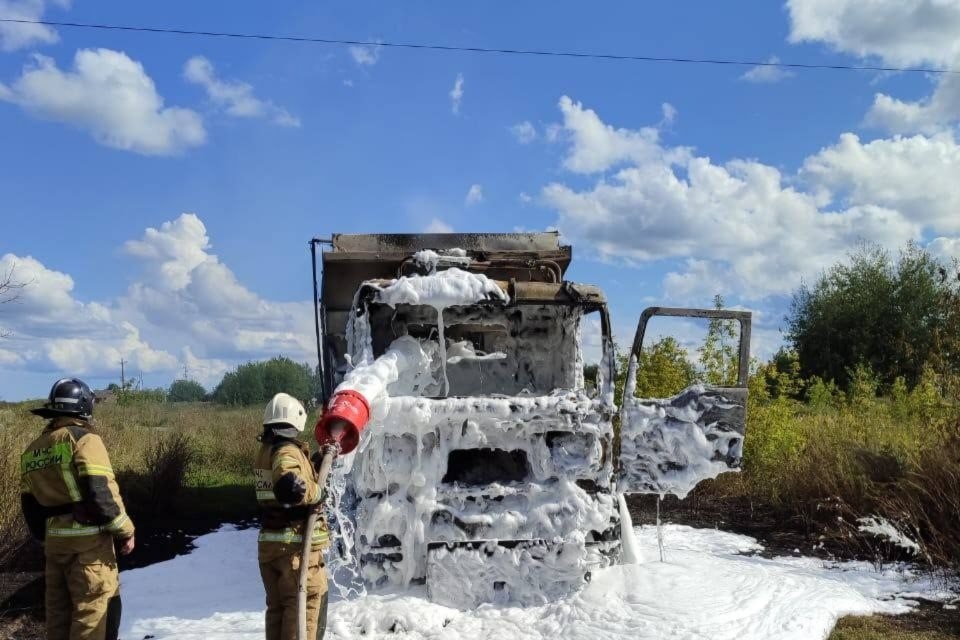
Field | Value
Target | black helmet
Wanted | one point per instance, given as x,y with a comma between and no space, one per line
68,397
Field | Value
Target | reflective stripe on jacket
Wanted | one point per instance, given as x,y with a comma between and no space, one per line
68,490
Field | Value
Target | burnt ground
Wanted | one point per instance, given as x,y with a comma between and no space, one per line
780,534
735,514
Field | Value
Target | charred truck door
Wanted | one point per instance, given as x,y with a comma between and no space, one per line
668,445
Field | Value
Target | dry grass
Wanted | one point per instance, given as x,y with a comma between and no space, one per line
824,468
21,628
156,450
914,626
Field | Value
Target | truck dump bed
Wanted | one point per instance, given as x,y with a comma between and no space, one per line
353,259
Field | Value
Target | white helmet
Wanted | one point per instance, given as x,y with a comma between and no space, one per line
285,409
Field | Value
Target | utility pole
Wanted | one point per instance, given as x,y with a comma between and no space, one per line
123,378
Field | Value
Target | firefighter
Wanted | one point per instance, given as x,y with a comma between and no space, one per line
72,504
287,491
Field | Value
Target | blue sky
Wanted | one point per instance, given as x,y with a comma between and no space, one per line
673,182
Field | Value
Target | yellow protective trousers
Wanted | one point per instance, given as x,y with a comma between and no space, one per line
281,573
83,597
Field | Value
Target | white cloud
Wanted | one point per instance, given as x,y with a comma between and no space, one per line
456,94
15,35
89,355
110,96
206,371
915,176
524,132
10,359
53,331
899,32
186,292
946,249
699,280
743,226
596,146
767,73
670,114
474,195
438,226
525,197
235,98
173,251
184,307
365,55
929,115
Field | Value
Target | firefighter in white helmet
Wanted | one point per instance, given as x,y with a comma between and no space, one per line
287,490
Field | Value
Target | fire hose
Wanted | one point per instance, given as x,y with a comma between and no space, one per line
338,431
329,453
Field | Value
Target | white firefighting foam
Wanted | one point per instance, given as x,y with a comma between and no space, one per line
447,288
886,530
630,546
465,577
555,441
667,448
405,369
408,469
405,450
708,589
441,290
430,259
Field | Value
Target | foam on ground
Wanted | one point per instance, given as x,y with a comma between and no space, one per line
706,589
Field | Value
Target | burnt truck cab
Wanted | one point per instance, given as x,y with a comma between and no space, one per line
496,477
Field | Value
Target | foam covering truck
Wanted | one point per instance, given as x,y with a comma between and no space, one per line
491,469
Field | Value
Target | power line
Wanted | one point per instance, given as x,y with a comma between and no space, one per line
454,48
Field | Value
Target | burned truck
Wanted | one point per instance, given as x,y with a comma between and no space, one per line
490,468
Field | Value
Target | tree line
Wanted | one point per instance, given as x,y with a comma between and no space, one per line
249,384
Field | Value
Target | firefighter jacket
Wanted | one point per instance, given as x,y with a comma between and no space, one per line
287,490
69,495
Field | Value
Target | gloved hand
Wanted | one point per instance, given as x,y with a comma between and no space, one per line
316,459
290,489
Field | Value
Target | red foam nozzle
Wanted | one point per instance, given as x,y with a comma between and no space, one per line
349,410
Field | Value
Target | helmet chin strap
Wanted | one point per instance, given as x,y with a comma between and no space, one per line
283,431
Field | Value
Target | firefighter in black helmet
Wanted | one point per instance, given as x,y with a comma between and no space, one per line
71,502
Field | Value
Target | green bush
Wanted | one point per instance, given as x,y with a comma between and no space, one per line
257,382
186,391
129,397
893,316
663,369
821,395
